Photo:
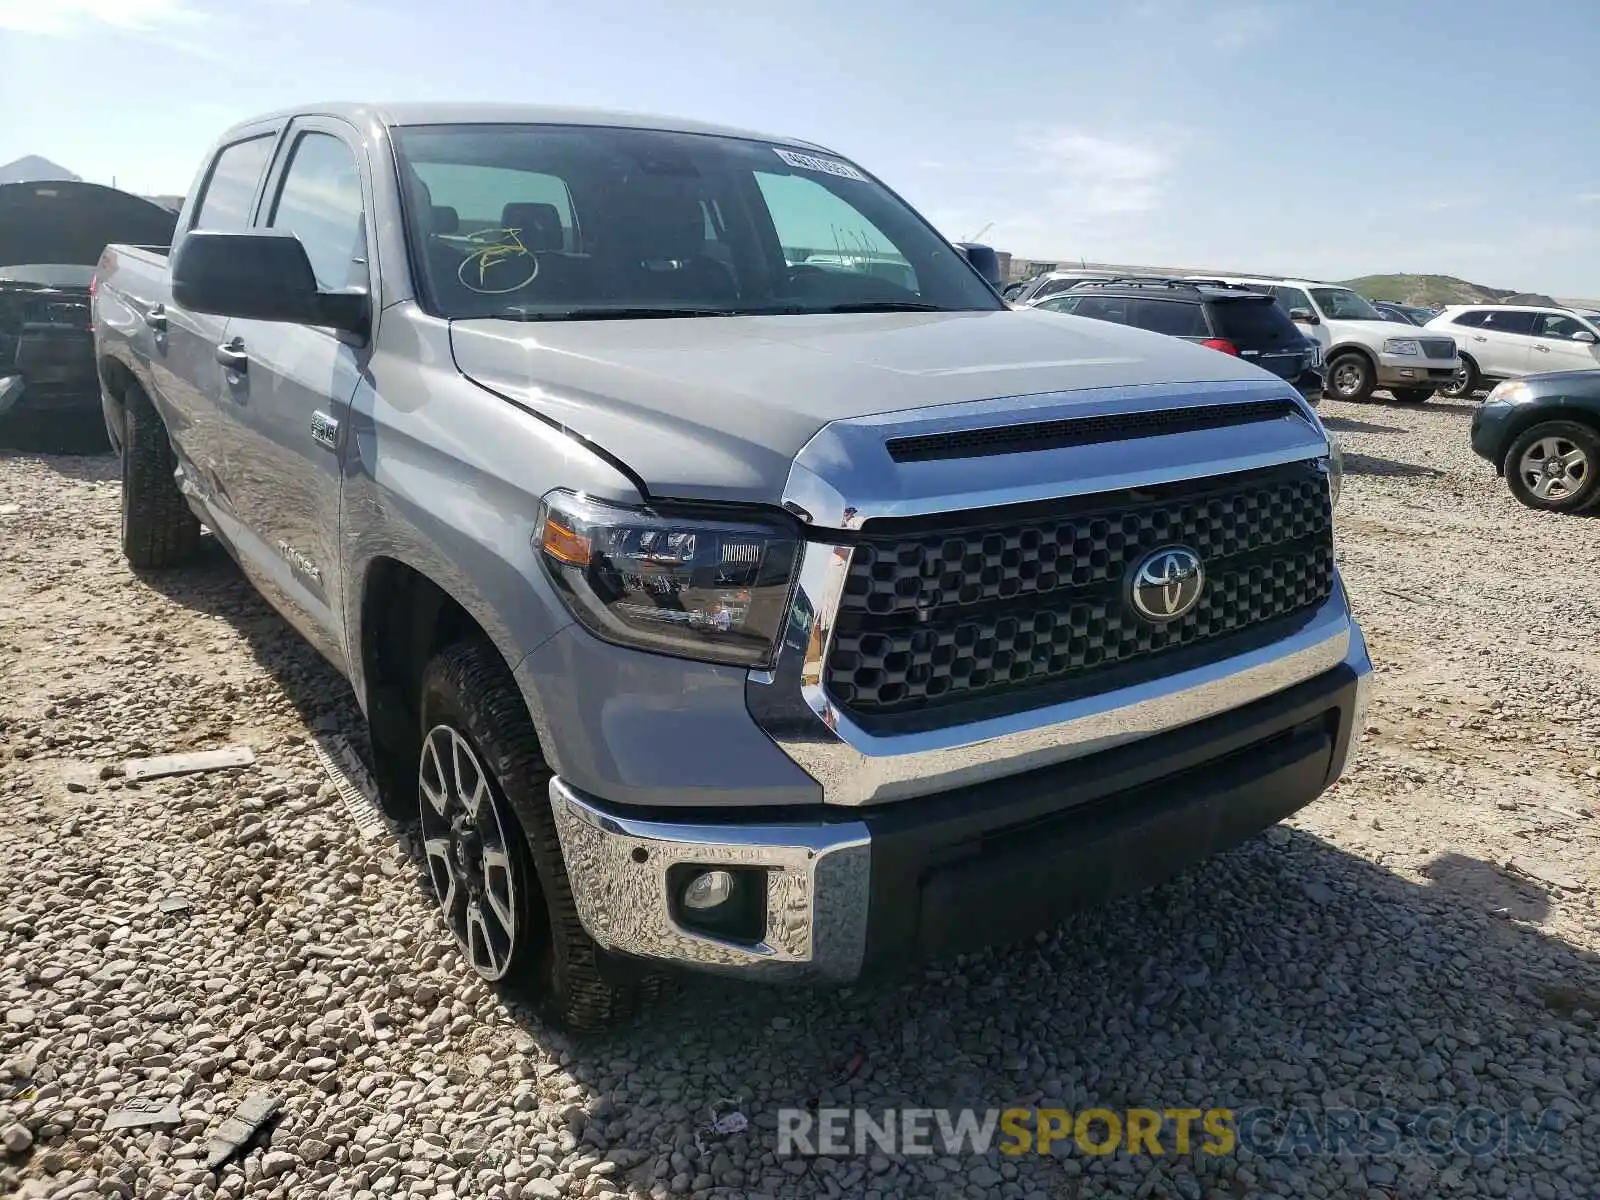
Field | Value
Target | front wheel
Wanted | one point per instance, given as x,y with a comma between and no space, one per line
491,847
1412,395
1467,381
1555,466
1350,378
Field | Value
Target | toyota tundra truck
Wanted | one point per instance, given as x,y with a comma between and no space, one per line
716,598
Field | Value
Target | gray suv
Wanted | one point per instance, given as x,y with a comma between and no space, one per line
728,577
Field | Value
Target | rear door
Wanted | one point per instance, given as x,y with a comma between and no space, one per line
1560,343
290,387
184,366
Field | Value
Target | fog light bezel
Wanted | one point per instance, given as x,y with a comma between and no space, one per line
741,918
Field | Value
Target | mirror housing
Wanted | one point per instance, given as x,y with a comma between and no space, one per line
262,275
1304,316
984,260
1584,336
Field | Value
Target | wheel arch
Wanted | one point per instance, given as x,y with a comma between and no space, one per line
1587,417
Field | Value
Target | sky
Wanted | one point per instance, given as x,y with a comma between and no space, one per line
1327,140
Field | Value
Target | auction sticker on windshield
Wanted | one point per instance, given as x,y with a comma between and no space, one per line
812,162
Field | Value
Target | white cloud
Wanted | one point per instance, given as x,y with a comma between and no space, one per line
1089,177
68,18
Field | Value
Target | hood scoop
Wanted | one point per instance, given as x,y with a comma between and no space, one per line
1082,431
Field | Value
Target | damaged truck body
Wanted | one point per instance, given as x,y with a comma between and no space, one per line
730,579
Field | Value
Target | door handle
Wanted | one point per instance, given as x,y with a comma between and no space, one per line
232,356
1542,349
156,317
1478,337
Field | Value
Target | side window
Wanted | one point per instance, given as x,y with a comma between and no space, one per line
1292,298
1558,325
231,186
1172,317
1063,304
1510,322
1105,308
1056,286
320,203
1472,320
815,225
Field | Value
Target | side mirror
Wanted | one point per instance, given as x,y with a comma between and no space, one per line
1304,316
1583,335
260,276
984,259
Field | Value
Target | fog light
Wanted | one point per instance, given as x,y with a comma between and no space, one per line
709,889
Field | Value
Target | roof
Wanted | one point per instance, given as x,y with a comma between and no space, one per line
451,113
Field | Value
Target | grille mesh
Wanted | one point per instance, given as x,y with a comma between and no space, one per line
937,618
1438,348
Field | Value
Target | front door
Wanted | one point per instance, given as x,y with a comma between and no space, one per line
1296,300
290,389
1561,342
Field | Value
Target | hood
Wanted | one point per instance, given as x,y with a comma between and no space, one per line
1388,329
716,408
60,222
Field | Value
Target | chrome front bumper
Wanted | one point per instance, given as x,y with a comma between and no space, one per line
817,879
820,875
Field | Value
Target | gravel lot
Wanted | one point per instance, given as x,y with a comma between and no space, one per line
1424,935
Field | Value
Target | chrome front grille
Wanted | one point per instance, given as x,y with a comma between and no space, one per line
938,614
1438,347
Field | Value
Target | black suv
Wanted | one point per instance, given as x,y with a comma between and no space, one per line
1227,317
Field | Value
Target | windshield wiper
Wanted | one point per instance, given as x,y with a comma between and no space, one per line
872,306
613,314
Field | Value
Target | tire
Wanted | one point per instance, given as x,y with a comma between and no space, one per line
1351,378
1555,466
158,528
1467,381
473,714
1412,395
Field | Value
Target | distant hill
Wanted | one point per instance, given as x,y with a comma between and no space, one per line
1434,291
31,168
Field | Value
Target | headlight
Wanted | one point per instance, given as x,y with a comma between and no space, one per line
1510,392
1333,468
715,590
1402,346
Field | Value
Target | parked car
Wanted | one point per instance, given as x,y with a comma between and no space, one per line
1362,350
1234,320
1505,341
51,236
708,608
1542,433
1393,312
1054,282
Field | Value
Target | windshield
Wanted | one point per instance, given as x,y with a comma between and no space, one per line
1341,304
553,222
1255,323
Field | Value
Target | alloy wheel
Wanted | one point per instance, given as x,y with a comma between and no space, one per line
465,840
1554,468
1347,379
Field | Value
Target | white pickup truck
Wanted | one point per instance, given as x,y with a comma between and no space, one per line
1363,349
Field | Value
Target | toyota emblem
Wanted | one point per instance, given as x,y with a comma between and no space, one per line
1167,583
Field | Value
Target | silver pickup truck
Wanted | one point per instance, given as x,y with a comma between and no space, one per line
729,578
